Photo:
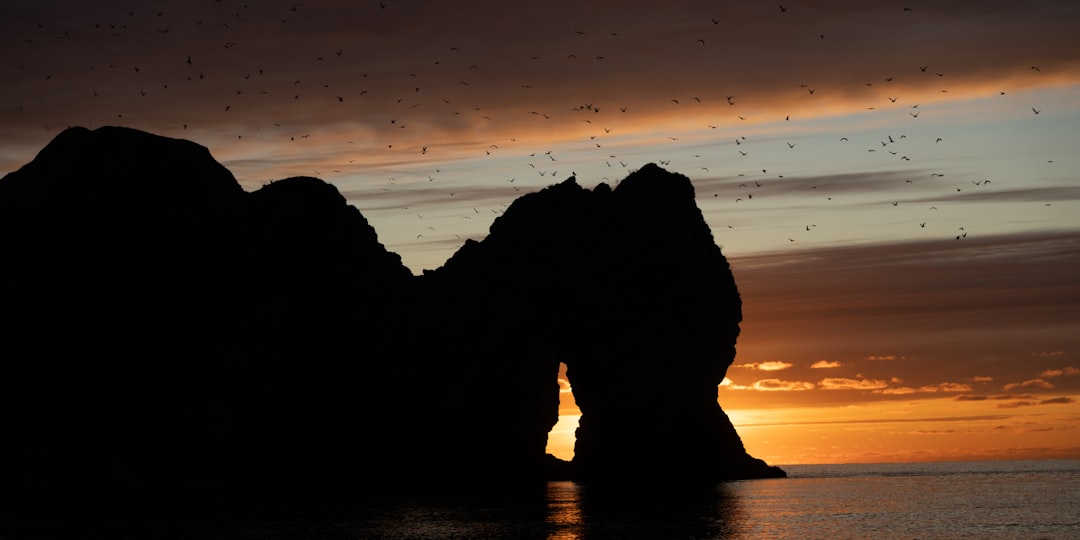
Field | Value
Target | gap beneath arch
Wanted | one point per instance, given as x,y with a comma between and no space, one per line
561,438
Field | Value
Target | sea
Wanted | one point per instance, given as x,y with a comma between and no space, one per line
978,500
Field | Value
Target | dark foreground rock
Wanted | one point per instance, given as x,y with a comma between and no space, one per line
163,327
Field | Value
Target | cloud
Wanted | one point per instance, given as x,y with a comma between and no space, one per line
951,387
999,397
777,385
1057,400
769,385
841,383
879,420
765,366
925,389
982,379
852,275
825,364
1044,354
1029,384
564,386
1068,370
1014,195
1029,402
886,358
899,391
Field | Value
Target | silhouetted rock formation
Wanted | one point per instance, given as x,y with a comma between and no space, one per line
163,327
629,289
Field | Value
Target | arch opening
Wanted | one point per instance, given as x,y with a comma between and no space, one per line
563,435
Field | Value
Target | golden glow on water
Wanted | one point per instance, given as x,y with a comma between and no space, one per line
564,516
1026,498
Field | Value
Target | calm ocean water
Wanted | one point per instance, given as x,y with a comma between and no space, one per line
1004,499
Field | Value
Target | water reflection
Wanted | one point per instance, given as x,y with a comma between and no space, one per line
560,510
642,511
555,510
950,500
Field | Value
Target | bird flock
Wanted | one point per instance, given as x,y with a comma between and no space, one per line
252,77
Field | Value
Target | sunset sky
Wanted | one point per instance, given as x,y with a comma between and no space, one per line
895,184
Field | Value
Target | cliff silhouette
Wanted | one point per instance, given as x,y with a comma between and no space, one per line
162,327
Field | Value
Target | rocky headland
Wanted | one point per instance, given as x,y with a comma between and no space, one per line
161,326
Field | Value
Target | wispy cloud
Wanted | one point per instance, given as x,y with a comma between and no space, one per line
841,383
769,385
564,385
825,364
879,420
777,385
862,305
979,397
1040,195
1057,400
1064,400
1068,370
774,365
1031,384
926,389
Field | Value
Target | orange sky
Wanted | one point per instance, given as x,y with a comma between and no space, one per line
841,360
896,189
